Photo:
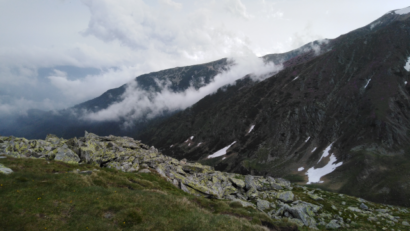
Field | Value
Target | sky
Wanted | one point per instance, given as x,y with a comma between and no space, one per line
58,53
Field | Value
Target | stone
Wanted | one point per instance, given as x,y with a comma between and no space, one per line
238,182
286,196
315,197
5,170
244,203
66,155
333,224
405,223
249,182
145,170
301,210
262,205
363,206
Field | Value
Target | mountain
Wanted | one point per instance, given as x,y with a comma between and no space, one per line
70,122
340,117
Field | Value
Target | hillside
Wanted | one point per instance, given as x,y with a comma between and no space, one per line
117,183
343,112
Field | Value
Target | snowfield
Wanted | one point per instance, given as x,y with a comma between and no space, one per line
314,175
222,151
407,66
403,11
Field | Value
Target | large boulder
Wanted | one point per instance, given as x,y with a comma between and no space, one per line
5,170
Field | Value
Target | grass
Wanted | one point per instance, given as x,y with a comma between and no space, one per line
43,195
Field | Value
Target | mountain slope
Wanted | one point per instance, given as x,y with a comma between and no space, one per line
69,122
346,110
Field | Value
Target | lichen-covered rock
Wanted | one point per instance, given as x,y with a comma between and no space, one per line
5,170
333,224
262,205
66,155
238,182
301,210
286,196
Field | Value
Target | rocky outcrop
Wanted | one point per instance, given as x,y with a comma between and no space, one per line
276,197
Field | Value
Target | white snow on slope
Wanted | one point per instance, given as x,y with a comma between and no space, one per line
374,24
403,11
221,152
301,169
405,82
307,139
314,149
295,78
199,144
325,152
251,128
314,175
407,66
368,81
190,138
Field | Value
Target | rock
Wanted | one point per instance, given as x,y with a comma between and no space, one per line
183,161
301,210
197,168
249,182
333,224
66,155
145,170
238,182
286,196
296,222
244,203
262,205
5,170
315,197
354,209
363,206
405,223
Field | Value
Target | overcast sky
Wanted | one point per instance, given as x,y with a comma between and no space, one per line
57,53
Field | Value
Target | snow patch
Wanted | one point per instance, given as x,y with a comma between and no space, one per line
407,66
295,78
368,81
405,82
314,149
314,175
403,11
171,146
190,138
307,139
325,152
251,129
199,144
301,169
224,158
374,24
222,151
189,144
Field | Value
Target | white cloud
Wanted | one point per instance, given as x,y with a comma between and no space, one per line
172,4
137,103
236,8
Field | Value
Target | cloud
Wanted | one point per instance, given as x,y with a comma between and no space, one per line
137,104
236,8
90,86
12,106
172,4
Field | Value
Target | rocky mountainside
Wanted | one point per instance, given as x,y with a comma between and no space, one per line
276,197
338,118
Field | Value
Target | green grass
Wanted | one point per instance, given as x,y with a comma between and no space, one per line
43,195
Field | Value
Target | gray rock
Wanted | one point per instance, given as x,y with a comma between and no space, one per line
333,224
301,210
66,155
5,170
262,205
249,182
286,196
363,206
145,170
405,223
244,203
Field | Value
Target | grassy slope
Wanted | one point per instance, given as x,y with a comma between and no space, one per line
35,198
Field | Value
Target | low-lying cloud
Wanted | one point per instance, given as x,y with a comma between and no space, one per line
137,104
